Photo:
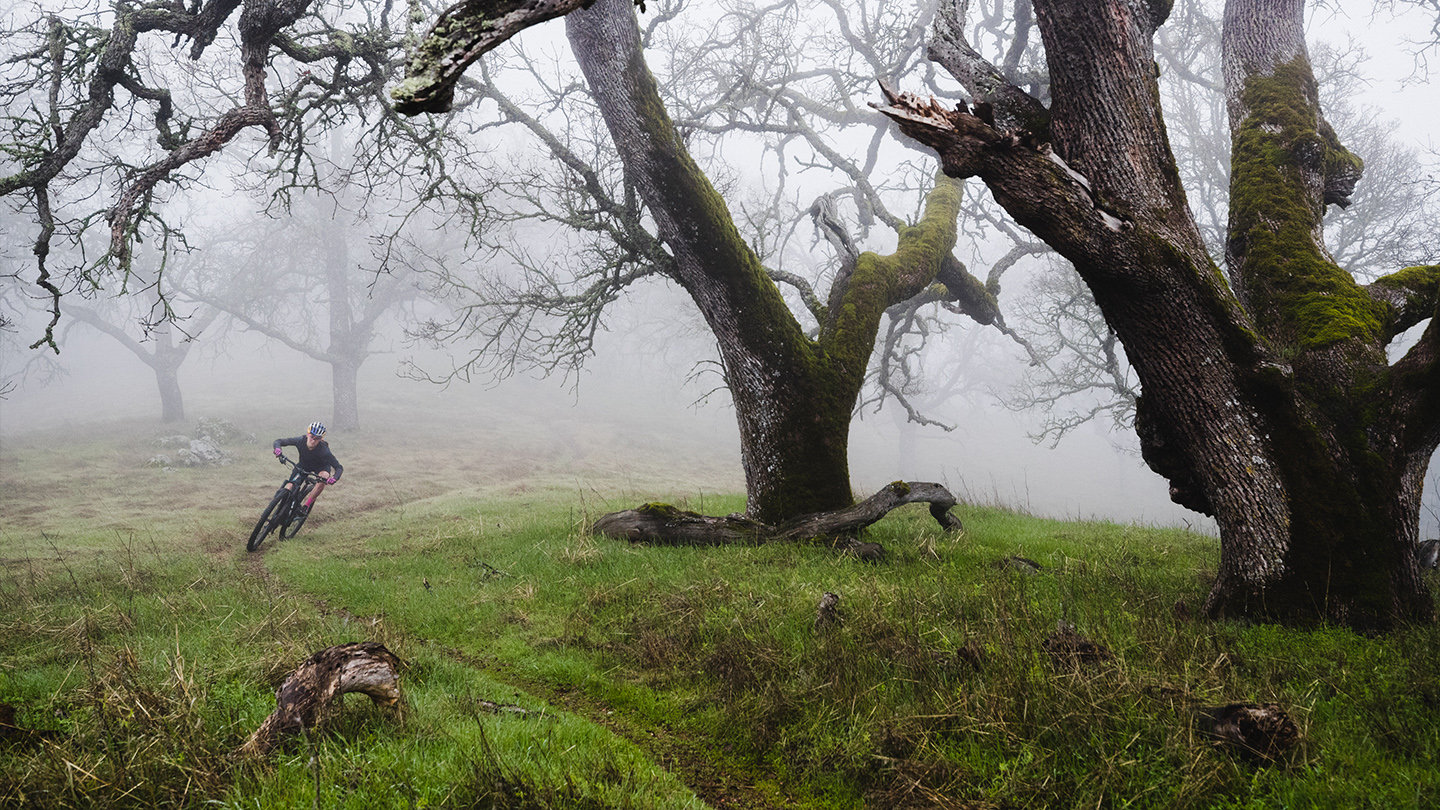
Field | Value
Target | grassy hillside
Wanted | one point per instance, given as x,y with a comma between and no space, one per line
546,668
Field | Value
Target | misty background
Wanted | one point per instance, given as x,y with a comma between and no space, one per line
652,372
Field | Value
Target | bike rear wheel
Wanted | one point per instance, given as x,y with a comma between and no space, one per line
269,519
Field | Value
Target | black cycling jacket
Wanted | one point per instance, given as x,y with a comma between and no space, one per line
318,460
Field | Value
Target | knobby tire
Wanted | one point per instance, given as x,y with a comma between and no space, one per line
264,526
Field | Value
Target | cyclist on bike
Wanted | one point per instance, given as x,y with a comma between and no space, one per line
315,457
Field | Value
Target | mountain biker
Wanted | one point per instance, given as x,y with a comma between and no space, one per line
315,457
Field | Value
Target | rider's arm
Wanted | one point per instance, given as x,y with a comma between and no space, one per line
335,466
296,442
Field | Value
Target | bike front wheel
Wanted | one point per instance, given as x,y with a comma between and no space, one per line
297,519
269,519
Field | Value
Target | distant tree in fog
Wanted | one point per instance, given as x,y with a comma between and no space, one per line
794,355
147,325
310,283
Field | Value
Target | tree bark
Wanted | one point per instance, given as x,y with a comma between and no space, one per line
348,338
1268,405
663,524
307,695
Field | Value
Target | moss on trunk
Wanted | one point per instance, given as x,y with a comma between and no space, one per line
1281,155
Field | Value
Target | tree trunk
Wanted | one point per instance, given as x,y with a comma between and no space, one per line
793,397
1268,405
1342,545
172,402
166,360
347,339
794,429
344,387
307,695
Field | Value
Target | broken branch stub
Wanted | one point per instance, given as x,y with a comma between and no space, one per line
663,524
305,698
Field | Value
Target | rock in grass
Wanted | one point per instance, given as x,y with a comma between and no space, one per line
1014,562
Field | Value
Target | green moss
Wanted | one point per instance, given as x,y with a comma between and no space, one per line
1420,285
879,282
452,34
1298,296
662,511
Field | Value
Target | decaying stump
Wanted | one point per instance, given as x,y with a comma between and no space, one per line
1260,732
663,524
305,698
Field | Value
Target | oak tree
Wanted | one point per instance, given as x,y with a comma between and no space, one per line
1267,397
794,378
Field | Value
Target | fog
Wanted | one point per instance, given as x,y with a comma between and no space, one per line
648,374
624,392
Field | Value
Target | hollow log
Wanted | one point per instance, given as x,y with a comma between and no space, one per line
663,524
306,697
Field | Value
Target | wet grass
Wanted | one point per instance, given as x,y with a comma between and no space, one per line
545,667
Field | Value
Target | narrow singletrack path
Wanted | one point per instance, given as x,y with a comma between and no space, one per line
668,749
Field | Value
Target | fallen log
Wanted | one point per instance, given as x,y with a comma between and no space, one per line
663,524
305,699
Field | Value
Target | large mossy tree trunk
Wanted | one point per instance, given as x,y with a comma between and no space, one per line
794,395
1340,541
1267,404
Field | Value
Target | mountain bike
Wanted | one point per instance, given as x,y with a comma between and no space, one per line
286,511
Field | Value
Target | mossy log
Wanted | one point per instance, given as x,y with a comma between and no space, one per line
305,698
663,524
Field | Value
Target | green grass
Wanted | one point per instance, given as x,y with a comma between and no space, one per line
547,668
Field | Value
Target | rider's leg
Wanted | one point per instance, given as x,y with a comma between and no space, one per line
315,493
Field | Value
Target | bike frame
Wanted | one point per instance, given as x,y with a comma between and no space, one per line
284,512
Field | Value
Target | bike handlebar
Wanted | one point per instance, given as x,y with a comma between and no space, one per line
284,459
